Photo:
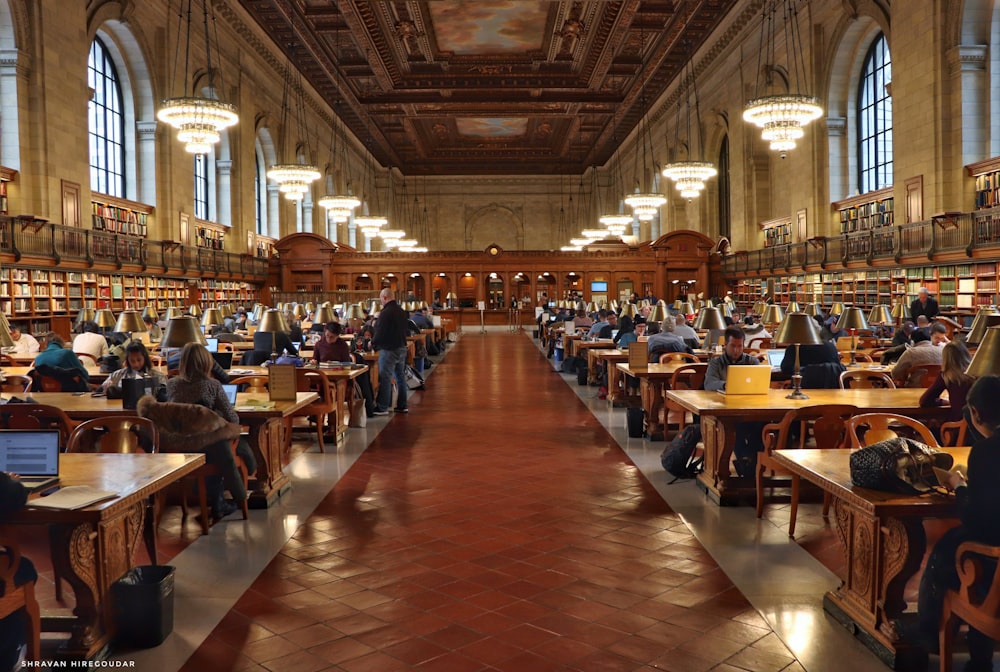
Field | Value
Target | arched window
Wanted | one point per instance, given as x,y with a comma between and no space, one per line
725,223
874,114
105,123
201,186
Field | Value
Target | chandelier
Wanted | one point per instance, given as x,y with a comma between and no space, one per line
645,206
339,207
199,120
294,180
580,242
571,248
782,116
594,234
689,176
370,225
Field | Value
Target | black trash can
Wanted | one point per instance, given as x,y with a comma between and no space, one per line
143,600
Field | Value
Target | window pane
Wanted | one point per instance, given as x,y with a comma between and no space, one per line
874,119
105,124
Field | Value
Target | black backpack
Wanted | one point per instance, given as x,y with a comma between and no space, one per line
677,456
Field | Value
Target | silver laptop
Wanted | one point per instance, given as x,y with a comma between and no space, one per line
31,453
775,357
230,391
212,344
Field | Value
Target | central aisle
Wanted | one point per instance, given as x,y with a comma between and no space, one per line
496,526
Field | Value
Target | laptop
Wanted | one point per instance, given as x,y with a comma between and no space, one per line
224,359
747,379
230,391
774,357
31,453
212,344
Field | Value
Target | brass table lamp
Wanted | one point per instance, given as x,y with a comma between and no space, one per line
272,322
180,331
983,321
853,318
798,329
986,361
105,319
773,314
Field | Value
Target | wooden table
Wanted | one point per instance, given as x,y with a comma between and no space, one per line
720,414
92,547
267,437
339,379
611,359
654,380
883,539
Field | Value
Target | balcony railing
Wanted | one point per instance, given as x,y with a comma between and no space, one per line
24,237
954,232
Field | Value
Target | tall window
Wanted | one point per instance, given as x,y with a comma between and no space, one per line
201,186
257,195
105,123
875,119
725,224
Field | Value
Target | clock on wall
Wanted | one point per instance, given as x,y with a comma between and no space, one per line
494,250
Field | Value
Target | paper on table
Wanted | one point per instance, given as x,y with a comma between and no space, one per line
72,497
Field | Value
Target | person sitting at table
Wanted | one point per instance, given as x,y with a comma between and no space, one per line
922,353
903,334
820,365
608,330
58,355
219,373
331,348
939,335
582,319
274,341
686,332
13,645
666,341
137,365
155,333
90,342
978,500
24,344
748,434
955,360
194,384
626,333
595,328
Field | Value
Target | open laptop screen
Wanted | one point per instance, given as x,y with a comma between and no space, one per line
230,391
212,344
775,357
31,453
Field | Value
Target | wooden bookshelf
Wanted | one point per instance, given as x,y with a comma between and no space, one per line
777,231
867,212
987,176
6,175
209,235
121,216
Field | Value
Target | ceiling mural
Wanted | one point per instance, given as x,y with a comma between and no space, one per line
490,86
492,127
488,27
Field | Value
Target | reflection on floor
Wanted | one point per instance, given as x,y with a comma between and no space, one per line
499,526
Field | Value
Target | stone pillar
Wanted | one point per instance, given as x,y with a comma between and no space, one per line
841,158
12,69
273,211
145,161
224,193
306,223
971,81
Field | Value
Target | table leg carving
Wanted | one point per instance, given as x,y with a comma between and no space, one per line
903,545
267,439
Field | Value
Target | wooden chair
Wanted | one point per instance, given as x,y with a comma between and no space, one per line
253,383
924,375
7,360
87,359
759,343
16,384
876,354
203,472
954,433
820,427
22,597
315,381
845,357
37,416
686,377
869,428
867,380
678,357
976,562
226,347
57,379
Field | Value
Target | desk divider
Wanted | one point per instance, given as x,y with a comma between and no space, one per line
638,357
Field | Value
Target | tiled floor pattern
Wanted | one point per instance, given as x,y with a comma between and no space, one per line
495,527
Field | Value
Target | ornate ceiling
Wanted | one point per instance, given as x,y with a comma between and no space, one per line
490,86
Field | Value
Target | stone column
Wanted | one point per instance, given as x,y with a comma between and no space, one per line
968,70
224,194
273,211
145,161
12,69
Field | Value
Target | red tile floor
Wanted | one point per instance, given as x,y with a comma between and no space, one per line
497,526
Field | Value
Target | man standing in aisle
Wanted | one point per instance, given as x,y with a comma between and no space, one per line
24,344
924,305
390,341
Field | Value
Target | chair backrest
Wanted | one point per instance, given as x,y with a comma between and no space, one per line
759,343
869,428
37,416
678,357
116,434
825,423
226,347
876,354
977,599
853,380
253,383
923,375
16,384
315,381
845,357
57,379
954,433
6,360
87,358
689,377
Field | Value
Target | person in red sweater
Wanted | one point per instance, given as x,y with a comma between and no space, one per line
331,348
